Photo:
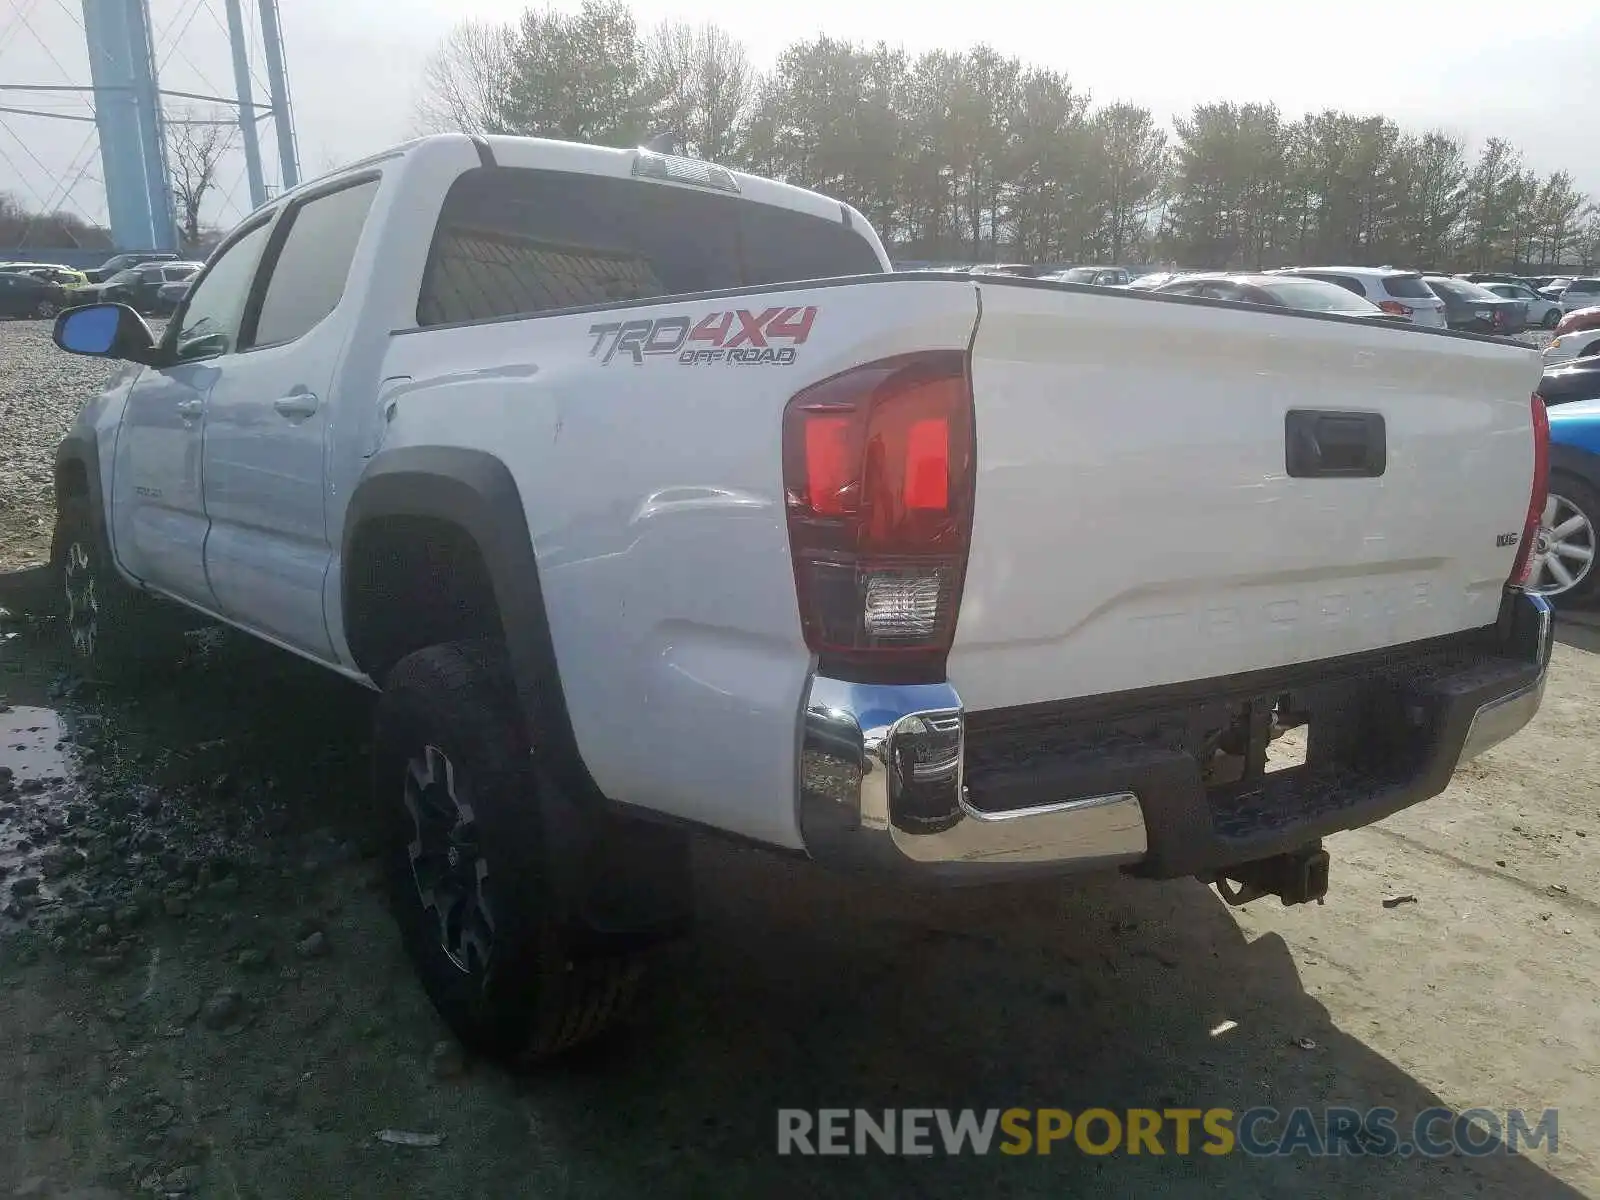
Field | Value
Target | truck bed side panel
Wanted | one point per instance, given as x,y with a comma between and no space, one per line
653,492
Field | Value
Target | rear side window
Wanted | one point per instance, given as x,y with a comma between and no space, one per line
313,262
513,241
1406,287
1348,283
1315,295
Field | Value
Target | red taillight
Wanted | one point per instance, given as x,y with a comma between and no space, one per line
1522,567
1394,308
878,470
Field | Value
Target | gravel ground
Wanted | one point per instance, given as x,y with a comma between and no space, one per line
41,391
201,992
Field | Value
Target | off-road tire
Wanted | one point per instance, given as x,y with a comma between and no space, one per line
533,998
108,624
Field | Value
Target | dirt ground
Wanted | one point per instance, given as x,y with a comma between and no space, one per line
204,831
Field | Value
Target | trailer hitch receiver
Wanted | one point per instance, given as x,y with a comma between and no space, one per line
1297,877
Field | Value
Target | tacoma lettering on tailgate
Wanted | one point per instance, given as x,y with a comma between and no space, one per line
738,338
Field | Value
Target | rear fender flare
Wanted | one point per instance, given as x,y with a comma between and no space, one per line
476,492
621,880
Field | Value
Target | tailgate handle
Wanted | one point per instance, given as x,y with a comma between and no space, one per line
1323,443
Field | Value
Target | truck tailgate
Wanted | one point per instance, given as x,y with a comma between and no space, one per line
1137,522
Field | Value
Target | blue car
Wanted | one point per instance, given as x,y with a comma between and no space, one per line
1563,565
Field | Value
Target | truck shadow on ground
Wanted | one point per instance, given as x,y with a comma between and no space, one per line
799,990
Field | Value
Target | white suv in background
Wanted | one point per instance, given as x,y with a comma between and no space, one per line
1580,293
1399,293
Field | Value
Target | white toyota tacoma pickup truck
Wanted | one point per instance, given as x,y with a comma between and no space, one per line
651,499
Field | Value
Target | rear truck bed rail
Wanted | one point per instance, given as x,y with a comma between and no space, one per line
1162,782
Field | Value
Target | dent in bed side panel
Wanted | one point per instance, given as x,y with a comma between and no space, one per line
652,485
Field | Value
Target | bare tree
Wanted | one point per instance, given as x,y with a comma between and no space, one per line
703,87
464,82
196,145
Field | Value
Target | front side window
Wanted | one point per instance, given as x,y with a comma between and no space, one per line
517,241
215,307
311,268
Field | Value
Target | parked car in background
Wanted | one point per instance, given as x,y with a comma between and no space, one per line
26,296
1277,291
1099,276
1581,293
1399,293
1474,309
1489,277
138,287
1553,289
1540,282
1563,566
121,262
1573,381
1018,269
1537,312
169,296
1579,319
1577,337
50,272
1155,279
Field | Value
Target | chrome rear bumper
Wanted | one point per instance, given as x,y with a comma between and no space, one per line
881,789
888,777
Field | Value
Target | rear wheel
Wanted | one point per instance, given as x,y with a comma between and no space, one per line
468,864
1563,556
1552,318
46,310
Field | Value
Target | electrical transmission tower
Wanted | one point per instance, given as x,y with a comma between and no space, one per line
128,110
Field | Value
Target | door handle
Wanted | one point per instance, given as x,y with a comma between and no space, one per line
1323,444
296,406
191,408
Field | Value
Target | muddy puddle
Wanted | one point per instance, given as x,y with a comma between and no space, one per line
39,795
35,771
222,757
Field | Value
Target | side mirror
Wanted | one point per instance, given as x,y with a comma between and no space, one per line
105,331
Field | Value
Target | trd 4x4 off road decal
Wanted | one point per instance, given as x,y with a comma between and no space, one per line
738,338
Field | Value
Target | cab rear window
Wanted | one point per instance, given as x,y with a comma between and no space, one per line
514,241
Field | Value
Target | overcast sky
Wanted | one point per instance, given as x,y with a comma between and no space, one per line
1465,66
